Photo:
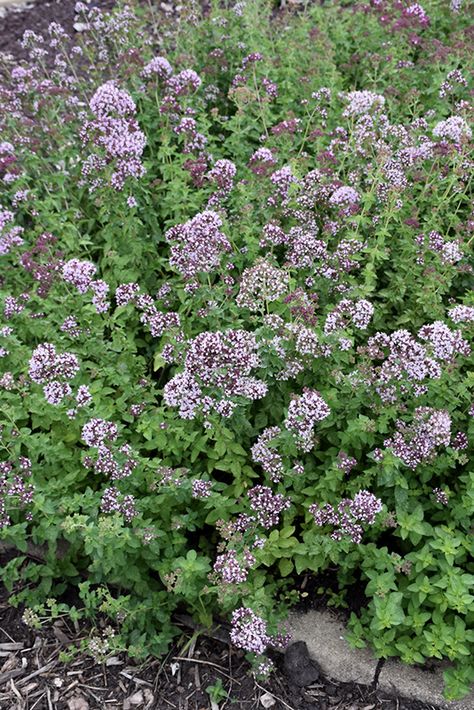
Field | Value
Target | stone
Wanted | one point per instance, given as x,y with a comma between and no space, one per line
300,669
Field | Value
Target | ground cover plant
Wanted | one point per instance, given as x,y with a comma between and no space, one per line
237,321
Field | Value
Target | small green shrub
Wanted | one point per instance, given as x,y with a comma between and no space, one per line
237,308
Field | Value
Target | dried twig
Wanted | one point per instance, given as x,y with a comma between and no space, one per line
11,647
139,681
44,669
207,663
280,700
40,698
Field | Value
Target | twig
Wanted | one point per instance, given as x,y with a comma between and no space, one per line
11,646
139,681
44,669
5,677
280,700
16,691
40,698
3,630
207,663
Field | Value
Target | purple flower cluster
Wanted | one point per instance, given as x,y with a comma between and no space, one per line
349,516
454,129
441,496
159,67
417,11
53,370
97,431
346,198
461,314
262,161
79,274
157,321
249,631
358,313
222,175
445,343
282,180
201,488
233,568
10,237
304,411
114,502
15,489
346,463
407,362
185,82
217,369
417,442
197,245
361,102
116,132
449,252
115,462
266,455
14,306
261,284
267,505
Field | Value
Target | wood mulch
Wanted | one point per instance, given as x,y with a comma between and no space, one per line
34,675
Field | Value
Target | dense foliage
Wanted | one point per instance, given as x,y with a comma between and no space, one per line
237,321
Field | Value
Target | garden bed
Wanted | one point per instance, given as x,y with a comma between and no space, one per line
236,345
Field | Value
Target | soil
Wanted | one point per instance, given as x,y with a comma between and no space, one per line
37,16
32,674
34,677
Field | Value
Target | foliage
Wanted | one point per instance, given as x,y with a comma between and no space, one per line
237,312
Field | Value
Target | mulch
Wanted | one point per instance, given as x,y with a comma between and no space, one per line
37,16
35,676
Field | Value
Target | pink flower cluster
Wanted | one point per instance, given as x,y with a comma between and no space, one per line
304,411
222,174
114,502
417,442
417,11
346,198
157,321
260,284
115,131
10,238
79,274
445,343
356,313
197,245
407,362
454,129
15,488
267,455
117,462
462,314
361,102
159,67
233,568
54,371
201,488
262,161
249,631
349,516
267,505
217,370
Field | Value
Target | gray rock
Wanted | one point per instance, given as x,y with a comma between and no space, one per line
299,667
